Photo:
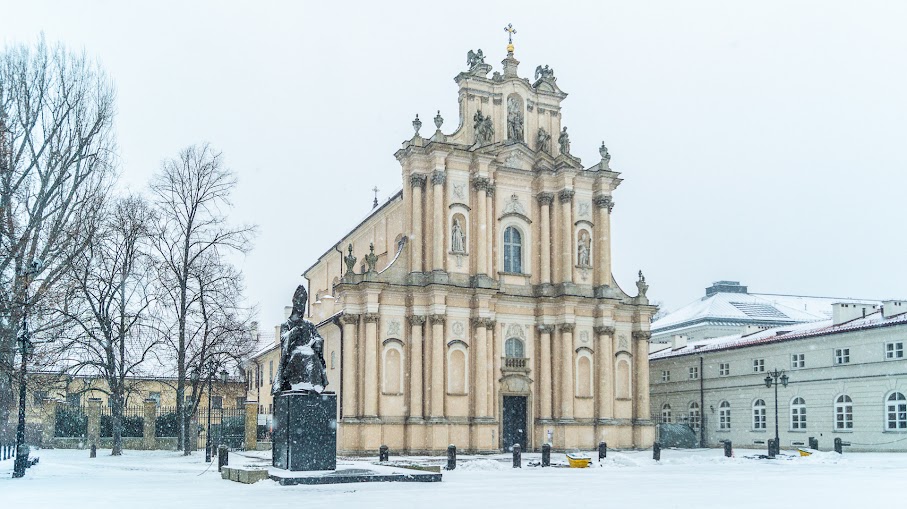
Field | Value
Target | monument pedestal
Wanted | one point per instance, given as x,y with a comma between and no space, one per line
305,431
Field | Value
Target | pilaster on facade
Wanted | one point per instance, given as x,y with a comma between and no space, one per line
350,366
416,367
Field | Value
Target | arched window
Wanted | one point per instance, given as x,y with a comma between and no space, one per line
724,415
896,411
513,250
456,370
584,375
666,413
513,348
393,369
798,414
695,415
844,412
759,414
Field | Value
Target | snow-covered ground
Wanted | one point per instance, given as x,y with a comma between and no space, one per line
698,478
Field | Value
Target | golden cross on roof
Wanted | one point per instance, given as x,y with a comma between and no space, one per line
510,31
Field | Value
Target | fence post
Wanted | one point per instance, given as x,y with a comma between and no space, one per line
771,447
50,422
251,422
517,456
546,455
94,421
656,451
728,449
602,450
148,428
451,457
223,457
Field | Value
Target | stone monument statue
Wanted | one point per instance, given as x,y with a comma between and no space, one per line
514,119
543,140
564,141
457,238
302,366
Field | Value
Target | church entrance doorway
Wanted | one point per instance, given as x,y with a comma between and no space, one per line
514,422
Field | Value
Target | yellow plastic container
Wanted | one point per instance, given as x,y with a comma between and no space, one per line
578,460
804,452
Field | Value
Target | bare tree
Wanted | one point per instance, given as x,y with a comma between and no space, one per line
110,302
192,193
56,148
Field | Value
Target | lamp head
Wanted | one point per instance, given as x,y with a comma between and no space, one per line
768,382
784,380
223,375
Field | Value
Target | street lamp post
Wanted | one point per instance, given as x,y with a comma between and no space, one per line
223,379
772,378
25,346
208,429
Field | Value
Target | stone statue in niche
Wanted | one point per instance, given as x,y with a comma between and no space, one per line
564,141
543,141
514,119
302,366
457,238
582,250
484,129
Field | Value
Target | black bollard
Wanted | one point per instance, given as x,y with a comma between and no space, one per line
839,446
656,451
451,457
602,450
728,449
223,457
94,451
546,455
814,443
771,447
382,453
517,456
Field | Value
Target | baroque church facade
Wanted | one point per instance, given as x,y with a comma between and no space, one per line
476,306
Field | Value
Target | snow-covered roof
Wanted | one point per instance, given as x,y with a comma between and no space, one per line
781,333
751,308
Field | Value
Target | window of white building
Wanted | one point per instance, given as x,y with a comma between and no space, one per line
759,414
758,365
798,414
842,355
694,373
896,412
724,369
843,412
894,350
798,360
724,415
666,413
695,415
665,376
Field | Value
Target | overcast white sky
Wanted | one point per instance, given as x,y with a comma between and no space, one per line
761,141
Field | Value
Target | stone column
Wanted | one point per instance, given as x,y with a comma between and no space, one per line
438,385
49,407
493,359
641,369
480,367
251,442
149,442
602,276
349,363
440,221
546,388
417,180
566,198
489,230
94,421
567,385
481,232
415,367
371,365
605,364
545,240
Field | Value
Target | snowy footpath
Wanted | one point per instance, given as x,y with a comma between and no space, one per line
684,479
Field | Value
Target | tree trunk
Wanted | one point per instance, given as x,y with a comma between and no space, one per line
116,419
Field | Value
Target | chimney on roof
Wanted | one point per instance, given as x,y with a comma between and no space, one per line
725,287
843,312
893,307
678,341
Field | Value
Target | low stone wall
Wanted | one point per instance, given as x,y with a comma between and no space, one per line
137,443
